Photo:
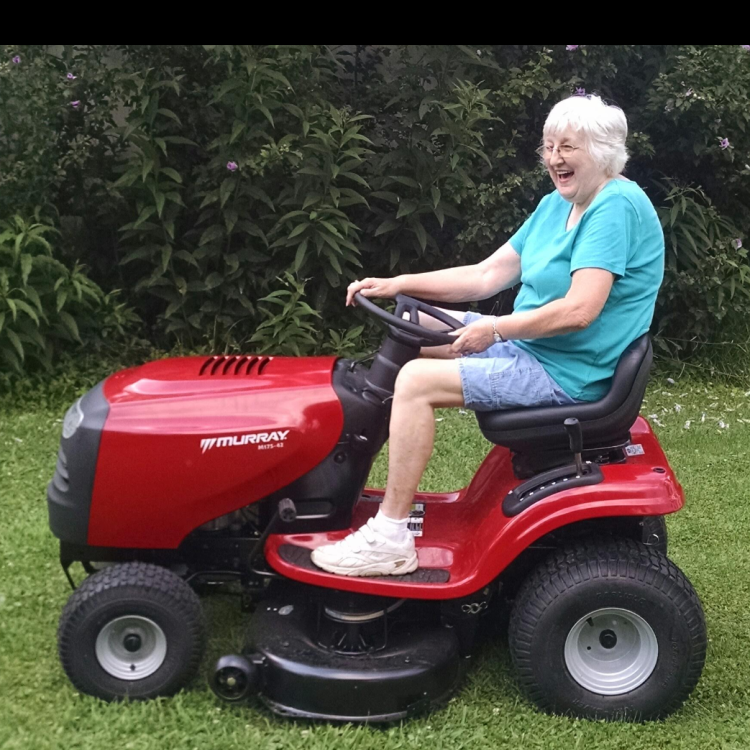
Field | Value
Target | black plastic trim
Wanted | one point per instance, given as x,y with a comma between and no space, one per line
69,497
549,483
300,558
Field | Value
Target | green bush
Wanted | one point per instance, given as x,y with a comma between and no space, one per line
204,180
43,303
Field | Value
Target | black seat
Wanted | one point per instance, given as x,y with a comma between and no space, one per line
606,422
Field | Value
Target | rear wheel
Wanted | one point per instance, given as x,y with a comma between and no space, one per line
131,631
608,630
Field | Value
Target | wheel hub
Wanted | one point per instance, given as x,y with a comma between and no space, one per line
131,648
611,651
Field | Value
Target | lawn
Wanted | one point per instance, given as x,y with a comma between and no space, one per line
705,430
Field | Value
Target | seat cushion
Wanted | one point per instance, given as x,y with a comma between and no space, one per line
604,422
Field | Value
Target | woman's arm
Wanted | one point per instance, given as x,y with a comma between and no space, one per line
578,309
500,271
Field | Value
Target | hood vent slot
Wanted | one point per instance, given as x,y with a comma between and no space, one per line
234,365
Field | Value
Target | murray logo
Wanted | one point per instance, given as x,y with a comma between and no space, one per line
251,438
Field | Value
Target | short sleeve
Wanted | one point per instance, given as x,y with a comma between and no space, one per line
518,240
607,236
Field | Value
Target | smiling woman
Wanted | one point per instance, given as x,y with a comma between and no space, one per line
590,260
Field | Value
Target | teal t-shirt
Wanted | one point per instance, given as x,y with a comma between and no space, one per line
619,232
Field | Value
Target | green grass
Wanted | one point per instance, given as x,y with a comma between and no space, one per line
710,541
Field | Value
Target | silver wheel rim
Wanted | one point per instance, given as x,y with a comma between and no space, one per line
611,651
131,648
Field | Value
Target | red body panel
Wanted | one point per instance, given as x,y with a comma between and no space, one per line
468,533
158,475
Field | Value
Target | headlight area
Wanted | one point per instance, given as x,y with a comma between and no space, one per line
72,420
69,492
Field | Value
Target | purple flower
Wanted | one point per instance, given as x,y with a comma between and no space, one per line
723,142
232,166
571,47
580,91
17,60
689,92
71,77
75,104
746,47
737,243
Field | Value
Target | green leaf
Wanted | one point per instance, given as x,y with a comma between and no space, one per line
435,192
387,226
138,253
173,308
386,196
160,198
28,309
145,214
421,234
214,232
408,181
172,174
298,229
166,255
187,257
334,260
175,197
13,338
299,257
26,263
227,86
127,179
213,280
69,322
168,113
226,189
237,128
405,208
267,113
311,200
33,295
260,194
148,165
179,139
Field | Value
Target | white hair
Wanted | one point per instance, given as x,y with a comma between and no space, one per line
603,127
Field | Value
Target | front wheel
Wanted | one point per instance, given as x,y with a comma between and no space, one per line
608,630
131,631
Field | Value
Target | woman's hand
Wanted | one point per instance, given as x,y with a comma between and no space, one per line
379,288
474,338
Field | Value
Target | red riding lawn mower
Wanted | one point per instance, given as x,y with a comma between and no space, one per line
191,472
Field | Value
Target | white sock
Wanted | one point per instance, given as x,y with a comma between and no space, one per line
397,530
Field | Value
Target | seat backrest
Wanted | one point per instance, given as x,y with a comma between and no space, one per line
604,422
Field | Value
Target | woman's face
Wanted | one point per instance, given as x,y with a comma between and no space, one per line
575,174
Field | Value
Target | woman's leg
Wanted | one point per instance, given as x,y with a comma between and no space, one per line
384,545
421,387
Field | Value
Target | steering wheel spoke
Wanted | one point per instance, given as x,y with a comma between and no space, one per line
420,335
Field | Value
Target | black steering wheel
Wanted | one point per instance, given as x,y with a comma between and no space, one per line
418,334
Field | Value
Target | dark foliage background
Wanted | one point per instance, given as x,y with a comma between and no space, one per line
221,197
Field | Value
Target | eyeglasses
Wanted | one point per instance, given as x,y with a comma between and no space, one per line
565,150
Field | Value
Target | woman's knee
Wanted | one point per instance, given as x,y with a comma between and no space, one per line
410,380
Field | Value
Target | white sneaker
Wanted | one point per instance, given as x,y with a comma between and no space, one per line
366,552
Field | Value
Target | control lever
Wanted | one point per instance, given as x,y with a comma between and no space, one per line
575,436
286,511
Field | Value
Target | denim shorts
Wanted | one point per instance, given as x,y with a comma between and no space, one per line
506,377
